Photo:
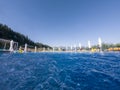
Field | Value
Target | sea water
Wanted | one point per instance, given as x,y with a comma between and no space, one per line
60,71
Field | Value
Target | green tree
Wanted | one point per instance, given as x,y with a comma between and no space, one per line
8,33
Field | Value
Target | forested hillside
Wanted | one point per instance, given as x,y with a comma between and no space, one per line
9,34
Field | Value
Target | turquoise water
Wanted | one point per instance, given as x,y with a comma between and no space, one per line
60,71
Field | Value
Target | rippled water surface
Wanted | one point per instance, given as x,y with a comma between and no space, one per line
60,71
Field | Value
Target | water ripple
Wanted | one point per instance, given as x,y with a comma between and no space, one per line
60,71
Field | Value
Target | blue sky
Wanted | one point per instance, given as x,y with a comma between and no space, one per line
63,22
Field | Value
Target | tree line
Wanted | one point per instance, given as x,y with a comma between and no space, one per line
107,46
9,34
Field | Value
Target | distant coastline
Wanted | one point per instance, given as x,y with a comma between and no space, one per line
9,34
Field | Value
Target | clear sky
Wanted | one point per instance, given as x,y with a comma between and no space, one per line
63,22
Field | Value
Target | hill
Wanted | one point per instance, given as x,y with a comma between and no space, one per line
8,33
